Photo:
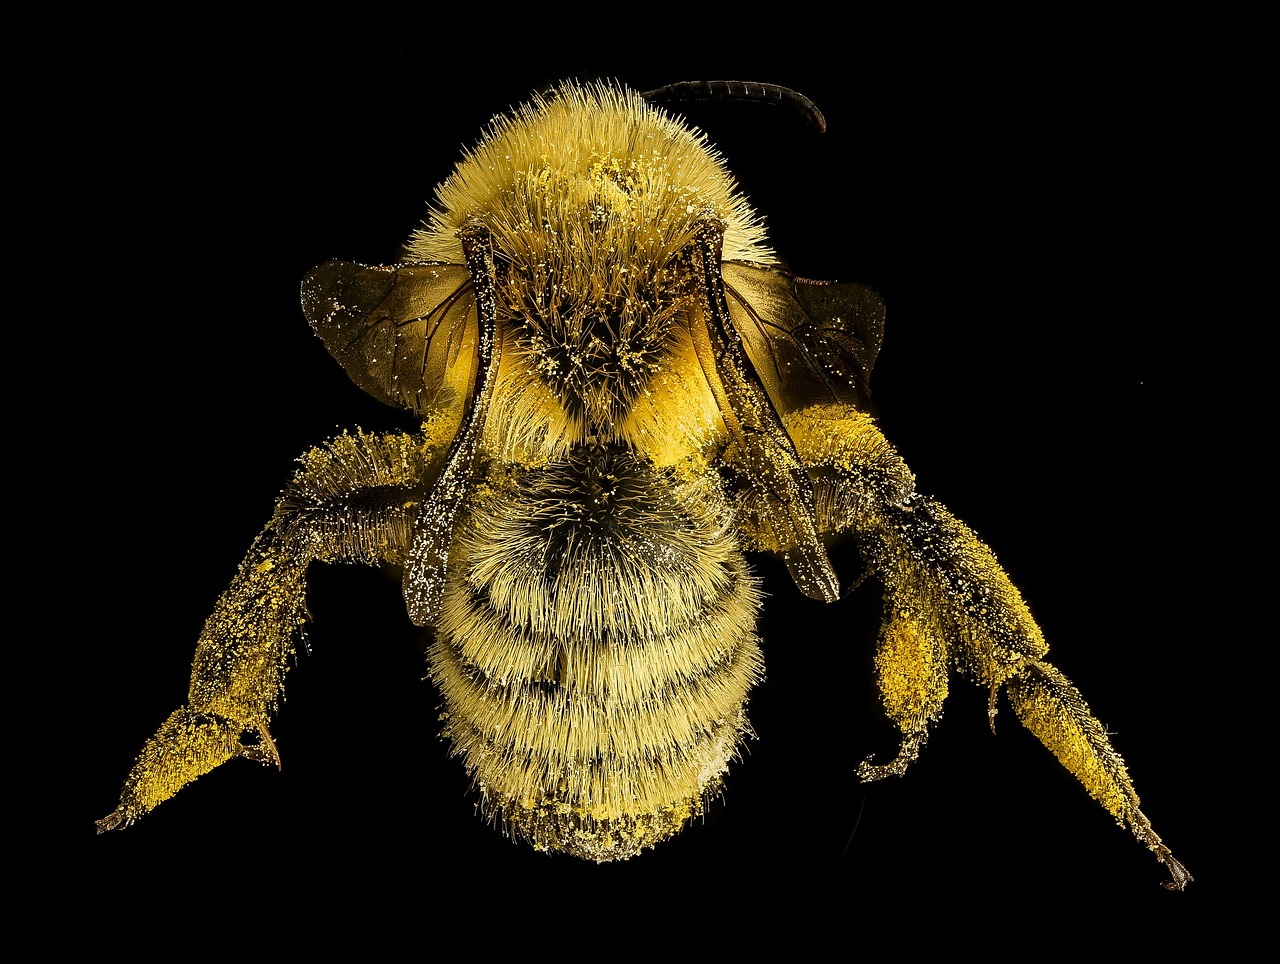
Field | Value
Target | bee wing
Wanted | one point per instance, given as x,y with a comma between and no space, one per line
810,342
404,333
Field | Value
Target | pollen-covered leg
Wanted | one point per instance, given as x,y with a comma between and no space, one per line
936,569
1052,708
350,501
911,669
188,745
948,602
999,644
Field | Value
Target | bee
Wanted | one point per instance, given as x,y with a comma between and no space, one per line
621,394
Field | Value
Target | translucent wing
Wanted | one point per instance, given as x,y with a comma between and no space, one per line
810,342
406,334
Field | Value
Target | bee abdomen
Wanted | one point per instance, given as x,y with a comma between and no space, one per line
596,778
595,667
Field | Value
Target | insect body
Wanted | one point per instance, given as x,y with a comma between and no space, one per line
620,395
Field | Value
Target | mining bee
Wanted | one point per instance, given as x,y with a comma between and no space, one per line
621,394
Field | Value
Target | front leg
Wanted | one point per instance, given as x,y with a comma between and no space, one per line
352,500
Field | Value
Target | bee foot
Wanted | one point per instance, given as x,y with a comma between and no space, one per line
907,753
112,821
264,751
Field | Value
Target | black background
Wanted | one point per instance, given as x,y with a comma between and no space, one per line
1031,214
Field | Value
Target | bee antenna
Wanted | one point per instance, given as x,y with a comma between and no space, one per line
692,90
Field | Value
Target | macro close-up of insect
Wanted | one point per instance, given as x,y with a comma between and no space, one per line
621,399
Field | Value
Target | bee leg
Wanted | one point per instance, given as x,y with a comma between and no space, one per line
858,478
911,670
428,554
936,569
908,751
351,501
948,602
264,751
1052,708
188,745
782,491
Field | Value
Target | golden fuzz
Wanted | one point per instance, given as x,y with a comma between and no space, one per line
620,395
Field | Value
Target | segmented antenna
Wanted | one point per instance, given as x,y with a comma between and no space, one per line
691,90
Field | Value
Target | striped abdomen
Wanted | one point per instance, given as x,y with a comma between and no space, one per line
595,650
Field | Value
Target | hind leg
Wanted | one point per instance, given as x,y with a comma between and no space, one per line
948,603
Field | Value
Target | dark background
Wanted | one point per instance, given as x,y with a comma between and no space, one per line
1031,213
